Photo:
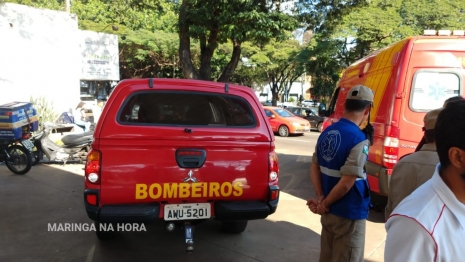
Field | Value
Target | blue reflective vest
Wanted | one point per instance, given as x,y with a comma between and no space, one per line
333,149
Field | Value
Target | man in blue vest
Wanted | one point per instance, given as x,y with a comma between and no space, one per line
340,182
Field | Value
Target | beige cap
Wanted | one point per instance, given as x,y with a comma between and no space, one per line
430,118
360,92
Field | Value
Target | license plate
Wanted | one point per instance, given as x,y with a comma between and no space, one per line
187,211
27,144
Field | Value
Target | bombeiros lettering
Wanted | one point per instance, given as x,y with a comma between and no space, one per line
188,190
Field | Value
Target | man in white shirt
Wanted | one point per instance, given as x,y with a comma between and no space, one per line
429,224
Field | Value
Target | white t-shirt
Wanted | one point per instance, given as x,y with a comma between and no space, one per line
428,225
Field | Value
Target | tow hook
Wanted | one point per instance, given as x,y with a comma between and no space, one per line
170,227
189,236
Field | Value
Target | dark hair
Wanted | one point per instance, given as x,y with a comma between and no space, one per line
453,99
353,105
450,130
430,136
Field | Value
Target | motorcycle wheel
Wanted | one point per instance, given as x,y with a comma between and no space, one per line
20,161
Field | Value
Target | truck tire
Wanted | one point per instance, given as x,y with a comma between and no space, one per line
234,227
102,234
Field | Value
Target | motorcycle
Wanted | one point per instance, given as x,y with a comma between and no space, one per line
37,154
17,158
75,146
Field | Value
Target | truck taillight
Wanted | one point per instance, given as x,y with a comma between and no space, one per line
273,167
391,147
92,169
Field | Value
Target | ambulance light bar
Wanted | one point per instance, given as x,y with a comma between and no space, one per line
444,32
429,32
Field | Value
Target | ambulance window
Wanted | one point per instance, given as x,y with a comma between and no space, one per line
332,105
182,108
430,89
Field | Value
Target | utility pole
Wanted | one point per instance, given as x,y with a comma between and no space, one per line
67,6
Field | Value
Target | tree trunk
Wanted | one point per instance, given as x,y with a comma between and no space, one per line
229,69
206,52
185,57
274,91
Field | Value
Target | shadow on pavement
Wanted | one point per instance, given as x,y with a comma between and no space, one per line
50,194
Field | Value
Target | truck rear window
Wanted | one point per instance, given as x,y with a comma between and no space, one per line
182,108
431,89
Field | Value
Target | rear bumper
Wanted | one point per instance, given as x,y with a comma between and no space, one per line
378,178
302,130
140,213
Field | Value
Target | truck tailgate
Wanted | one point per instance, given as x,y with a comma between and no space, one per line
144,170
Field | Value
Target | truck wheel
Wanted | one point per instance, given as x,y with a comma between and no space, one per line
103,234
320,127
234,227
283,131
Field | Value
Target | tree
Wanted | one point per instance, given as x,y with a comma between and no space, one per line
364,32
212,22
324,15
322,64
369,27
143,53
54,5
278,64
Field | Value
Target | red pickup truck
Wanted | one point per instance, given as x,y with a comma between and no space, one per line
181,151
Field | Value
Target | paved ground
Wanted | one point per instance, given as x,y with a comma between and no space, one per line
53,194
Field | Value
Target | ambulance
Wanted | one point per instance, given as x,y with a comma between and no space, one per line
409,78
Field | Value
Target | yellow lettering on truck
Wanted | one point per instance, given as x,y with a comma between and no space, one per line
196,188
141,191
151,189
170,191
214,189
237,188
188,190
184,190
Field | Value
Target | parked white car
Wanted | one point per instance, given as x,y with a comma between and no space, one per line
309,103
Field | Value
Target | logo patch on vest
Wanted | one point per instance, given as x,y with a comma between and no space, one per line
365,150
329,145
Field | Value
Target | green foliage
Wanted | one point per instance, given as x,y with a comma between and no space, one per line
322,64
143,53
151,15
48,4
324,15
44,109
346,36
277,64
215,22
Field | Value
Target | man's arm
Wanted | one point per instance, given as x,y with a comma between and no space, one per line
408,241
338,191
315,175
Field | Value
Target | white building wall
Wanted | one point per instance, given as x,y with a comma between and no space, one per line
39,56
